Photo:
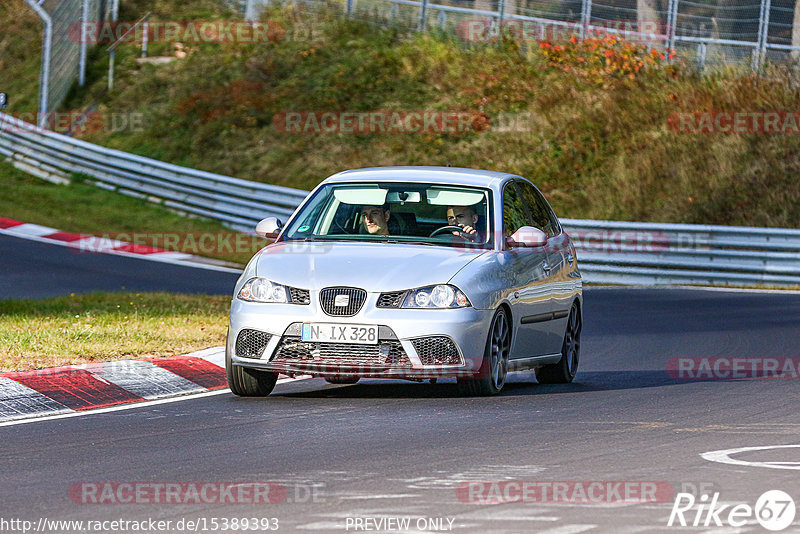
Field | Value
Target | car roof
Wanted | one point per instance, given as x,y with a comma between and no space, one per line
444,175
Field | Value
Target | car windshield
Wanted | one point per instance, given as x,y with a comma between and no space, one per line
434,214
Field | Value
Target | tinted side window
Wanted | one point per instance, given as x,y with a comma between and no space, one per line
514,216
541,216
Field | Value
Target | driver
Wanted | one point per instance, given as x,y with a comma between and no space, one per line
375,219
465,217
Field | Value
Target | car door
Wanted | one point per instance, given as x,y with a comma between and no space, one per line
529,290
559,260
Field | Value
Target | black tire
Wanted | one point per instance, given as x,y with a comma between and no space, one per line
494,367
567,367
339,380
249,382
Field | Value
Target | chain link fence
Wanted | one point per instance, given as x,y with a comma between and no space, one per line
64,47
744,33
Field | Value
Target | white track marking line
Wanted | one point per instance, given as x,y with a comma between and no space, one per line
26,230
131,406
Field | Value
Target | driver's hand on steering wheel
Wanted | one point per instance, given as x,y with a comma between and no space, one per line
465,230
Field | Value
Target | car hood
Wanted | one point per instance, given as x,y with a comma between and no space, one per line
371,266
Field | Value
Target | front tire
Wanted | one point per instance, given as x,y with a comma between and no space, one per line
491,377
567,367
246,382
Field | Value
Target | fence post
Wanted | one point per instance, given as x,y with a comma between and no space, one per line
501,13
763,31
672,21
44,76
423,13
701,57
586,18
350,7
145,37
442,19
84,36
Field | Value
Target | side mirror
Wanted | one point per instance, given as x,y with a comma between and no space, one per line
269,228
528,236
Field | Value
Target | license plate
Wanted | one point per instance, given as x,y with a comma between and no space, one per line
341,333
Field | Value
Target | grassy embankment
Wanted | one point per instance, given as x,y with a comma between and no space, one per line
598,140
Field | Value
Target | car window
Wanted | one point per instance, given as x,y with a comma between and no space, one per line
540,215
396,211
514,216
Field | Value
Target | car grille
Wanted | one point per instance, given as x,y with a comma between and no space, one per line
391,300
299,296
385,354
436,350
356,298
251,343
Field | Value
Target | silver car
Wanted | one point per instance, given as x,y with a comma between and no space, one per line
414,273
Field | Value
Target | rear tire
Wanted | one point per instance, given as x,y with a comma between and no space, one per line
494,367
567,367
249,382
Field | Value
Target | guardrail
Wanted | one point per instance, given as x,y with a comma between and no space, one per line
608,251
238,203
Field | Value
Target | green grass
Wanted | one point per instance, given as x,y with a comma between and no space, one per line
107,326
84,208
20,55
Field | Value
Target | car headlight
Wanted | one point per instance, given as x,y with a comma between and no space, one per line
262,290
439,296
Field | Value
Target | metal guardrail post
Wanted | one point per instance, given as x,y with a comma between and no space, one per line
351,4
44,77
423,14
501,13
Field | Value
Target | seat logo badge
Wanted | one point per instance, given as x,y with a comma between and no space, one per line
341,301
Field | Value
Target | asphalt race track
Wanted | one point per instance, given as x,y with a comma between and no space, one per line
29,269
357,455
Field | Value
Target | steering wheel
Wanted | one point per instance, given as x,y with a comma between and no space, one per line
452,228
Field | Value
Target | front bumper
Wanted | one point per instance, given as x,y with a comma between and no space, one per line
404,348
